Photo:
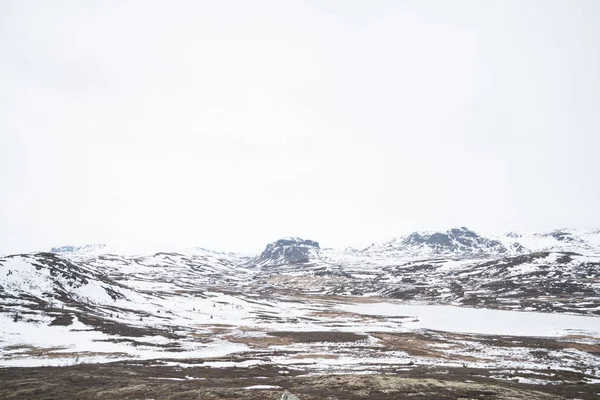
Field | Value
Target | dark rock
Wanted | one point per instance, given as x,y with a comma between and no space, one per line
288,251
455,240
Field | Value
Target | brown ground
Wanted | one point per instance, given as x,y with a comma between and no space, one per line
151,380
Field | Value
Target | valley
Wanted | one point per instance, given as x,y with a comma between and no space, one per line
434,315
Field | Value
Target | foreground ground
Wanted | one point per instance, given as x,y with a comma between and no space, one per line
154,380
314,347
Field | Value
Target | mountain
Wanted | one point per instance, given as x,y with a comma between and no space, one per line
48,277
561,272
171,304
556,271
584,241
88,248
463,242
458,242
115,294
454,241
291,250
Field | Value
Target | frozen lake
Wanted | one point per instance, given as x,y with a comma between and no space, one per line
482,321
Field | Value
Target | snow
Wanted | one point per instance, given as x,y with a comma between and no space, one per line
210,301
22,275
262,387
581,241
78,338
481,321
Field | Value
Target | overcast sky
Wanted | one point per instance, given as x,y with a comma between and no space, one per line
229,124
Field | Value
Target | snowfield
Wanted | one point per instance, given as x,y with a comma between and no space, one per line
482,321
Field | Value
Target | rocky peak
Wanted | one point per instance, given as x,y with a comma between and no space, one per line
291,250
88,248
455,240
563,235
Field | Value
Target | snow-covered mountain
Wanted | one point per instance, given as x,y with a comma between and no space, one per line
170,304
88,248
290,250
465,242
45,278
556,271
460,242
454,241
583,241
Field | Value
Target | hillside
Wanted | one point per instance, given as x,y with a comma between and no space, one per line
459,298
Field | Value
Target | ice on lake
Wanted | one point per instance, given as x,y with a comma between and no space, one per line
481,321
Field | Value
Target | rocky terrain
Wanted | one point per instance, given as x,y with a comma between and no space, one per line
440,314
550,272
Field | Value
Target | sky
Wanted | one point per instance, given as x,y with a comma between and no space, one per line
230,124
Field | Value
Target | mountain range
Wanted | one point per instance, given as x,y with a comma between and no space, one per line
555,271
156,304
456,241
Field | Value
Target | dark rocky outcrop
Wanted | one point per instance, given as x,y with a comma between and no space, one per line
288,251
454,240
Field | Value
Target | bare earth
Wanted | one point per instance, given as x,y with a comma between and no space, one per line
150,380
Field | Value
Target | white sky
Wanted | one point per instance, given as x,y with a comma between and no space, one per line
228,124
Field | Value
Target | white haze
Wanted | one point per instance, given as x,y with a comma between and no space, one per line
228,124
